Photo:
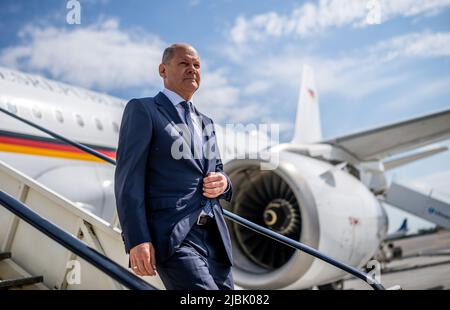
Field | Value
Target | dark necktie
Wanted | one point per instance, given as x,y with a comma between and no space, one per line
187,106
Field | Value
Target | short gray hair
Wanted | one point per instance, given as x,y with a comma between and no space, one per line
169,52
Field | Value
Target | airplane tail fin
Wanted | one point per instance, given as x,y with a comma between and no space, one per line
307,124
404,226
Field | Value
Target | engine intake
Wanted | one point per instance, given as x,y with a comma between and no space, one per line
266,200
279,200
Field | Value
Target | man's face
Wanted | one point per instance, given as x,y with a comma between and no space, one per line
182,73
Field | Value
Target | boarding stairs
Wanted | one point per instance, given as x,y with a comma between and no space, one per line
30,259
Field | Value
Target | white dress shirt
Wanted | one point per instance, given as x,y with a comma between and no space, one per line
176,99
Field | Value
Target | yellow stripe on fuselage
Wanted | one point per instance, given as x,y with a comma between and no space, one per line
47,152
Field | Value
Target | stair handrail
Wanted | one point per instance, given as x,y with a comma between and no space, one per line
90,255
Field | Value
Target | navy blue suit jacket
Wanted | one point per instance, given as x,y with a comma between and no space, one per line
159,197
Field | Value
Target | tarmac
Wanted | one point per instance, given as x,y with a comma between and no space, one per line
424,265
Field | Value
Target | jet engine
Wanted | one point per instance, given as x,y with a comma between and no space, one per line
307,200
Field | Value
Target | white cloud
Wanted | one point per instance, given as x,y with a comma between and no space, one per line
311,18
216,90
246,112
256,87
422,93
357,74
222,101
99,55
360,73
219,99
351,77
414,45
412,7
105,57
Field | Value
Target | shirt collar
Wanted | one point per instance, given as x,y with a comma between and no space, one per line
174,97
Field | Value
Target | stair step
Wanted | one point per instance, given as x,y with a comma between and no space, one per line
7,284
5,255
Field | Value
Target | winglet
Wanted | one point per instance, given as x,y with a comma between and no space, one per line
307,124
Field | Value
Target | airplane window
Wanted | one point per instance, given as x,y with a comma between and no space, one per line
12,107
98,124
115,127
79,120
59,116
36,112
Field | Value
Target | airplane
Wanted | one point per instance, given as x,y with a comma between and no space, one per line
400,232
325,193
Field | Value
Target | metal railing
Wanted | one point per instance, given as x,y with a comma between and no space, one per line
71,243
231,216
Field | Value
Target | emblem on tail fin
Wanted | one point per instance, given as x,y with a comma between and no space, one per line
307,124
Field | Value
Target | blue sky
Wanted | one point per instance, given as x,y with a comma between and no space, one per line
252,52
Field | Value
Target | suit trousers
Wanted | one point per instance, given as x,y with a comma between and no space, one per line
199,263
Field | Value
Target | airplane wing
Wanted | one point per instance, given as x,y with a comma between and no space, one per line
384,141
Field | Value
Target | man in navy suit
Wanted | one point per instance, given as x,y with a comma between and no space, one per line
168,182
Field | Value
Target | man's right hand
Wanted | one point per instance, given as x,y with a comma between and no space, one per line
142,259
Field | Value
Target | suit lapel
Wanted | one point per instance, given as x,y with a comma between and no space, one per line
167,109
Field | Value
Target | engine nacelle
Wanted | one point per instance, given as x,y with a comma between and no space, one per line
307,200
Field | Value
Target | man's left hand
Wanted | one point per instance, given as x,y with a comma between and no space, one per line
214,184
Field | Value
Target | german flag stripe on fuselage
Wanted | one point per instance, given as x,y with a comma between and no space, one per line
13,142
